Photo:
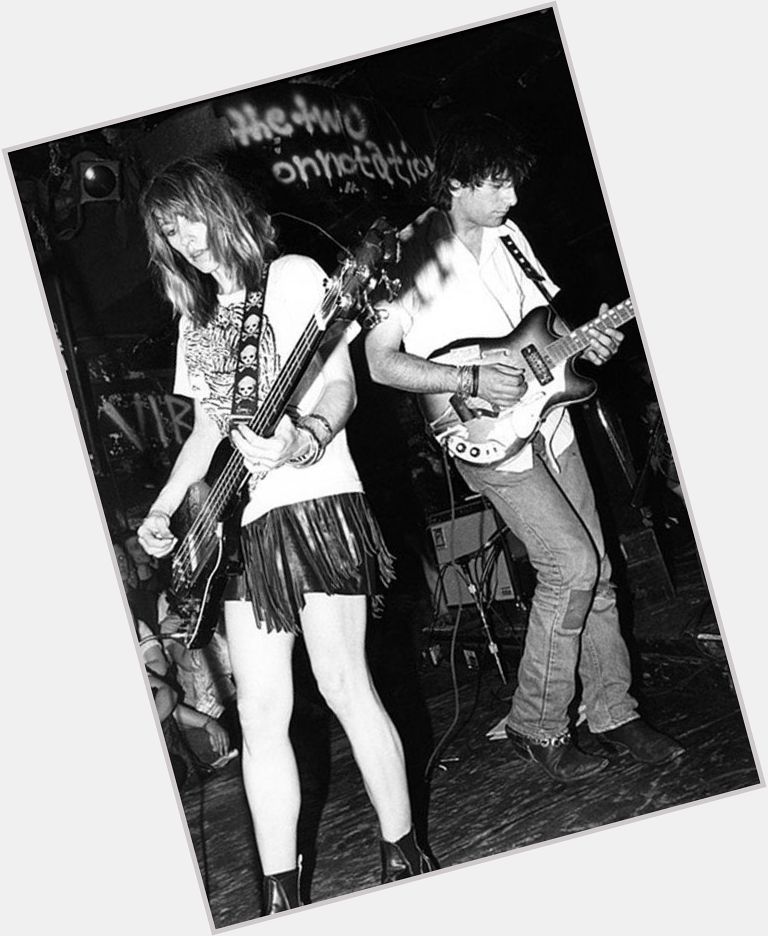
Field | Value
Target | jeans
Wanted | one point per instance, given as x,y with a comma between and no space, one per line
573,624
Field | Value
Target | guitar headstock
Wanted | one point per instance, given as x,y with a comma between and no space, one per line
360,272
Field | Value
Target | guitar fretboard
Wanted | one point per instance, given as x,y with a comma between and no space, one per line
562,349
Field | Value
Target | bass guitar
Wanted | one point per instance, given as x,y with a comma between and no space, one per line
208,519
477,432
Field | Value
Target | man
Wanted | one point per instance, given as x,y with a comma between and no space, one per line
459,281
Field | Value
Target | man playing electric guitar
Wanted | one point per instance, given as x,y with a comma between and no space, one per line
459,281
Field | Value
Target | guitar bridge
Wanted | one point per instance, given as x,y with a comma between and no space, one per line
537,364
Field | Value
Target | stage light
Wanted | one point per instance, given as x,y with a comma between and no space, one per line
99,180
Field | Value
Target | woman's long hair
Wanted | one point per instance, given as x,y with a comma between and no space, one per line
240,236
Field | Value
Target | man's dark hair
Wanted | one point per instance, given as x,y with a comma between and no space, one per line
473,149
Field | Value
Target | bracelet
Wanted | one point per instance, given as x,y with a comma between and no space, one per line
464,381
475,379
312,454
323,422
159,513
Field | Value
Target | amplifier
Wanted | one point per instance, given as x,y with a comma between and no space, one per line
472,528
647,574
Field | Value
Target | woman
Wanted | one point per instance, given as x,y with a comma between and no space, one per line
312,551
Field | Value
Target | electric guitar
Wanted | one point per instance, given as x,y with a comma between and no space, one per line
208,519
477,432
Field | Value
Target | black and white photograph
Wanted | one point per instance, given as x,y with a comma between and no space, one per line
400,466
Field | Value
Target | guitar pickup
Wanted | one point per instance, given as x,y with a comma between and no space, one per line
537,364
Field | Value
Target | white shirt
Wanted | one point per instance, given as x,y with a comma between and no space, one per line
447,295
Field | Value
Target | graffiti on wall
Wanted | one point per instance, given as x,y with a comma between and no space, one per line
141,426
315,138
141,422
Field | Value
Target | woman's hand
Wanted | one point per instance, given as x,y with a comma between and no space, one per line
261,455
155,535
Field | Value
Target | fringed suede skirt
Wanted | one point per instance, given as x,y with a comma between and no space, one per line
331,545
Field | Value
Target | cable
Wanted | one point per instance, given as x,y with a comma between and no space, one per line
480,570
318,227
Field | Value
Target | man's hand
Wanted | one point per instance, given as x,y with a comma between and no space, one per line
603,341
501,384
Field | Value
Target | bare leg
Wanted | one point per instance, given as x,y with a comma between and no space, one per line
334,631
261,666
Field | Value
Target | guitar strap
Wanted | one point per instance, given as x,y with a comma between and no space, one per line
538,281
245,402
528,269
245,397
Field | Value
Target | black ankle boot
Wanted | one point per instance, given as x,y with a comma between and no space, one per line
403,859
558,756
280,892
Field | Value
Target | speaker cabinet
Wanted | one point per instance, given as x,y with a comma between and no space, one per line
472,539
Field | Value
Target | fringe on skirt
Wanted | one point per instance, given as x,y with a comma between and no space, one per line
332,545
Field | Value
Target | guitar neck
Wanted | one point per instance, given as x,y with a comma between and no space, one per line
562,349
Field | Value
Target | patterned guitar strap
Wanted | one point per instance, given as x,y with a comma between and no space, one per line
247,388
257,362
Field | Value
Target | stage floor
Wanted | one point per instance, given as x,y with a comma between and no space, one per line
482,800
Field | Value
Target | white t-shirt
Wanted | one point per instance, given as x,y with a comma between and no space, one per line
295,289
447,295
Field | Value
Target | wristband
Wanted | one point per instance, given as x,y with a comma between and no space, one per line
323,422
464,381
159,513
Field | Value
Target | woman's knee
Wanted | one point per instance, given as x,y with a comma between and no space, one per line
342,689
263,715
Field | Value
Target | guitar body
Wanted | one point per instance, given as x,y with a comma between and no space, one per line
477,432
198,584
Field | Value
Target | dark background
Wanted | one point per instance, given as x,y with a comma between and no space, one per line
331,150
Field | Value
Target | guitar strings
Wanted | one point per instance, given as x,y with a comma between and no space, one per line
563,348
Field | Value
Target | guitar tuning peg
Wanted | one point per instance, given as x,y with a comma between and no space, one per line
372,317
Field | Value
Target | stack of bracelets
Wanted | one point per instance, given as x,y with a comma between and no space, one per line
467,380
319,432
